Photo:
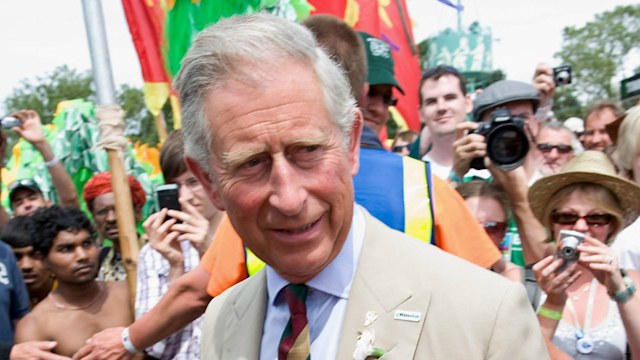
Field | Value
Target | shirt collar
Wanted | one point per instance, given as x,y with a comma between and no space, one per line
336,278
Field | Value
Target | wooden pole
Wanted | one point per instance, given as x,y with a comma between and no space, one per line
111,117
126,222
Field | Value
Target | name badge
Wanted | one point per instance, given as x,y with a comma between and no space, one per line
413,316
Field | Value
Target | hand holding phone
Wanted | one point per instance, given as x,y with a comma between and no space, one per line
167,197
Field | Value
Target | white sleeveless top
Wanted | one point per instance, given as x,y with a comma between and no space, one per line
609,338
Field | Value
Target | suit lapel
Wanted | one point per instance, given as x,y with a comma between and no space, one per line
386,292
246,320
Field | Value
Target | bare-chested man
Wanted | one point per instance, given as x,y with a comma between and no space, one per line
81,305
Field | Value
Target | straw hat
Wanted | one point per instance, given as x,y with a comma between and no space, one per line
613,128
588,167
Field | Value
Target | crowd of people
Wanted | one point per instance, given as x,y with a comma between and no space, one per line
300,232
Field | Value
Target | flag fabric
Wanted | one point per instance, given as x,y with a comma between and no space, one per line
162,31
146,24
389,21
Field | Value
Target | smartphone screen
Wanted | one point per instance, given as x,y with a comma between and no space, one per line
167,197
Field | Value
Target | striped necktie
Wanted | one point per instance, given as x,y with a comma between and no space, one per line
295,344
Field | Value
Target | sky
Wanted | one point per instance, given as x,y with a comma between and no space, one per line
39,35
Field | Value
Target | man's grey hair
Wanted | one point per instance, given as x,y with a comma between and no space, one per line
245,48
559,126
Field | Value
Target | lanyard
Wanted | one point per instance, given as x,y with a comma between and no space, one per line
584,344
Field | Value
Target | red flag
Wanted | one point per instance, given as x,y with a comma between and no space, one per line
146,24
389,21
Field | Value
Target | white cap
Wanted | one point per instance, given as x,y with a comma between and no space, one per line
575,124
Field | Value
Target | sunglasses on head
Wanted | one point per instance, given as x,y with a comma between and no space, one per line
592,220
494,227
562,149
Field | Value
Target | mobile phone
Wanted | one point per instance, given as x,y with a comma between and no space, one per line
562,75
167,197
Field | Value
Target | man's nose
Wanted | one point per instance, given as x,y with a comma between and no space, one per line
375,102
81,253
26,263
441,105
288,194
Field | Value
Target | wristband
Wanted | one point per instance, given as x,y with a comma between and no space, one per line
126,342
623,296
549,314
454,177
51,163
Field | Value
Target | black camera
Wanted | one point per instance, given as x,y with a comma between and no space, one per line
507,142
562,75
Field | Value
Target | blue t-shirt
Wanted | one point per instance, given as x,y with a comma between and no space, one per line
14,298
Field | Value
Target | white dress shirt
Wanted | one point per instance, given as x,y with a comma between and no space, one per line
326,301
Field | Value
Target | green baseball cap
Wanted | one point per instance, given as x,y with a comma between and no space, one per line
379,61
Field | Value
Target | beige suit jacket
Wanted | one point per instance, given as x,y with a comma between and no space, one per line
465,312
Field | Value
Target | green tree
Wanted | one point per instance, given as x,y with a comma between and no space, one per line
47,91
598,50
140,125
64,83
566,104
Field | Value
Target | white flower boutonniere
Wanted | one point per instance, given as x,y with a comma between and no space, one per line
364,344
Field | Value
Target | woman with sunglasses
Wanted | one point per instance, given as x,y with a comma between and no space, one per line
590,309
489,204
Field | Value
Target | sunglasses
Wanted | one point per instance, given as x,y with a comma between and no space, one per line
400,148
494,227
594,220
562,149
387,99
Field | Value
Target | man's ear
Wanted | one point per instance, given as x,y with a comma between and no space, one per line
212,190
468,103
354,141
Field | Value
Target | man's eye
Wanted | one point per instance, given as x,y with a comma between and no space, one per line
310,148
252,163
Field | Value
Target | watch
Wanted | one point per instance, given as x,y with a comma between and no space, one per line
623,296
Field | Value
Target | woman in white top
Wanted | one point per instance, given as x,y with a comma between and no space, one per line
590,310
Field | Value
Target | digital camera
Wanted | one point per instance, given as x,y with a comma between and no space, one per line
507,142
568,242
9,122
562,75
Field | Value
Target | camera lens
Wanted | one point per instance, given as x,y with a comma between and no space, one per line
507,146
568,252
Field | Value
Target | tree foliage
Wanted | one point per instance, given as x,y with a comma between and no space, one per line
598,51
47,91
64,83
